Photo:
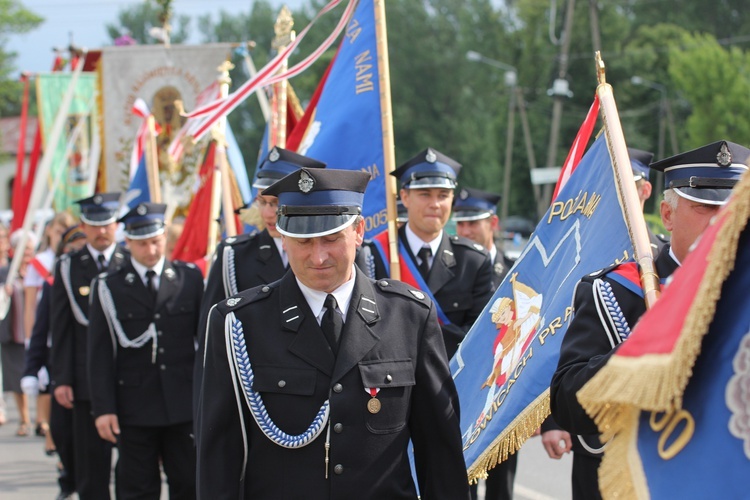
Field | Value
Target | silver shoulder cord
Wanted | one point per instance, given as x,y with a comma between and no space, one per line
65,272
110,312
230,276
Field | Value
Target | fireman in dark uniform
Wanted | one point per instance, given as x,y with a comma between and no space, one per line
250,260
475,215
70,322
144,316
315,384
697,183
456,271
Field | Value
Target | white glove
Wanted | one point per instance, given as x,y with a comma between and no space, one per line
30,385
43,376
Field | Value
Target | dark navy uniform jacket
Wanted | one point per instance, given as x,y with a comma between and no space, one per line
69,333
460,279
391,342
590,341
140,388
256,262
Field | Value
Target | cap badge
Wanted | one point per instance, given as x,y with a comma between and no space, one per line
430,157
306,182
142,209
724,156
274,155
98,200
463,194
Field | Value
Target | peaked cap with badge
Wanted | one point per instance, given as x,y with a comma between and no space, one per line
100,209
474,204
144,221
428,169
279,163
315,202
706,174
639,161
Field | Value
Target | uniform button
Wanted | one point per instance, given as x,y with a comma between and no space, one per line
282,383
389,378
161,350
338,388
163,367
121,382
338,428
455,304
339,469
157,316
159,333
265,289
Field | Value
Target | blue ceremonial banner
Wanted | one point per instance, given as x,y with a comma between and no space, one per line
346,131
503,367
710,434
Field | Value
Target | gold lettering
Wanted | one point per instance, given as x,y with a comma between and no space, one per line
353,30
555,209
666,426
543,336
364,73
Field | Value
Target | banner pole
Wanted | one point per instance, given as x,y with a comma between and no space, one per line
626,187
40,185
386,114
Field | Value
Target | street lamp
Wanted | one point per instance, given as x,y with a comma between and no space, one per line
511,78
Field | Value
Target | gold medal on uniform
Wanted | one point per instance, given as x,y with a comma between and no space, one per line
373,405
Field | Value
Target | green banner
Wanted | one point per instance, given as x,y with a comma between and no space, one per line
71,176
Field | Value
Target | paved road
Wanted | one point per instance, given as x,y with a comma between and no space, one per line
26,473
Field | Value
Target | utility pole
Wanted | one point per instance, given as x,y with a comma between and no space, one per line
559,91
521,104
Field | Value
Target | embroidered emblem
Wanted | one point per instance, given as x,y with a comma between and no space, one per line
724,156
274,155
169,273
464,194
499,268
306,182
233,302
84,291
130,278
142,209
98,200
430,157
417,294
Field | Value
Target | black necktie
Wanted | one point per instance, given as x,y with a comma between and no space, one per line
102,262
151,282
332,323
424,266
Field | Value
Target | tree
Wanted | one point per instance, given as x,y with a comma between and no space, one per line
716,83
136,21
14,19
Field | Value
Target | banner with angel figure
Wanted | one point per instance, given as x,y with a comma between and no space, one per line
504,366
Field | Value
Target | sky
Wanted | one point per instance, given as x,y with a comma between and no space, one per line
86,20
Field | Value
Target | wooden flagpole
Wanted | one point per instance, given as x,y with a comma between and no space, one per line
152,161
386,116
626,187
40,184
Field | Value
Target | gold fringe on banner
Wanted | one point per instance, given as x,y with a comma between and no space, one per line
614,397
512,438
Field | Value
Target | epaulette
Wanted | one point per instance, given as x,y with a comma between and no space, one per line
466,242
246,297
401,288
182,263
240,238
626,274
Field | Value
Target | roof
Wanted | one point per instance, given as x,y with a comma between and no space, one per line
9,128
